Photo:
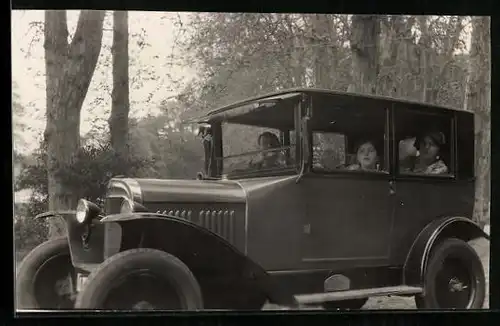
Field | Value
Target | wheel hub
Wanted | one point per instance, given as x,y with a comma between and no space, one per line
143,305
455,285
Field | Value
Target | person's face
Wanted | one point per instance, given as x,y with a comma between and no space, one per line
367,156
428,149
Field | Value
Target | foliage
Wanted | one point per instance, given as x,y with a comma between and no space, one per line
28,232
91,169
174,149
18,124
241,55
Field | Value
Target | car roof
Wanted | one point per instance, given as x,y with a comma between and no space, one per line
317,92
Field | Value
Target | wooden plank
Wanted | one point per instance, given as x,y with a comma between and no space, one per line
357,294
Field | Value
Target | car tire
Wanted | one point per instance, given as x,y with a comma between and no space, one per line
42,274
456,261
117,273
354,304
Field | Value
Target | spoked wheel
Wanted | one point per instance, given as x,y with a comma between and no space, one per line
141,279
45,279
454,279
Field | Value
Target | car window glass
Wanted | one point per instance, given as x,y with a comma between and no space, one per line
329,151
350,140
248,148
424,143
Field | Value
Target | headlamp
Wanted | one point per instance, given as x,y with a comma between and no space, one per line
86,211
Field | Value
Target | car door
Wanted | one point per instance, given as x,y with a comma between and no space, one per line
348,218
349,213
421,196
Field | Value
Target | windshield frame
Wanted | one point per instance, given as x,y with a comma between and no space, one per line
216,157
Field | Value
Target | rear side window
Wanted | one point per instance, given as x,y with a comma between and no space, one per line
350,139
425,143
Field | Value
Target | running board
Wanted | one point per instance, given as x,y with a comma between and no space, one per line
356,294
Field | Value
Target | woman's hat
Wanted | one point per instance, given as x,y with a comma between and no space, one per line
437,137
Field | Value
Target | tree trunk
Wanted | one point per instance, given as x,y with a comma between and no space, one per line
365,32
69,70
324,57
425,66
478,100
118,121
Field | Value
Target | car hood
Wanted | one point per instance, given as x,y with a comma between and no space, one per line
155,190
236,191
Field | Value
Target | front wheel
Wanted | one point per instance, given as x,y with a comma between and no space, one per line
45,277
454,278
141,279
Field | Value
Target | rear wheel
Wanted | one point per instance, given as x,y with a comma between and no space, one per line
45,279
454,278
141,279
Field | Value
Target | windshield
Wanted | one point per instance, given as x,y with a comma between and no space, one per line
254,149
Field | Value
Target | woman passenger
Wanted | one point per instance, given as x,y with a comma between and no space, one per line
429,160
367,158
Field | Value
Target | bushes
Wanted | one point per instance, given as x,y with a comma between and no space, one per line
28,232
91,169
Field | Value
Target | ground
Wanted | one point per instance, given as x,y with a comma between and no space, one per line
482,247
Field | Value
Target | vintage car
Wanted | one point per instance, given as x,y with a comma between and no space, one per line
307,197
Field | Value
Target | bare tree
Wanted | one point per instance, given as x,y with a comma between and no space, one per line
118,121
478,100
69,70
365,33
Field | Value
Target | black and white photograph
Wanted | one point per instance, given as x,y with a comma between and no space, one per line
210,161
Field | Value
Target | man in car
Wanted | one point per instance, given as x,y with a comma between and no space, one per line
268,158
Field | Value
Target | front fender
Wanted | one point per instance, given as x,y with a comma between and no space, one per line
215,262
82,257
456,227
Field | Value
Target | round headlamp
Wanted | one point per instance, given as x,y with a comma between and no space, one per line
86,211
81,211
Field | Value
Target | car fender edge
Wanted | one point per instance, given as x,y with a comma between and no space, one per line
459,227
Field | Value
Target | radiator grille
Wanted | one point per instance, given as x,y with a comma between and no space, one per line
221,222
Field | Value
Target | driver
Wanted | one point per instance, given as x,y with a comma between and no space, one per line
269,159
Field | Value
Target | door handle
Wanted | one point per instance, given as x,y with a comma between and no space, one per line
392,188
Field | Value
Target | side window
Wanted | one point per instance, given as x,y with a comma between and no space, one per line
350,139
329,150
424,143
